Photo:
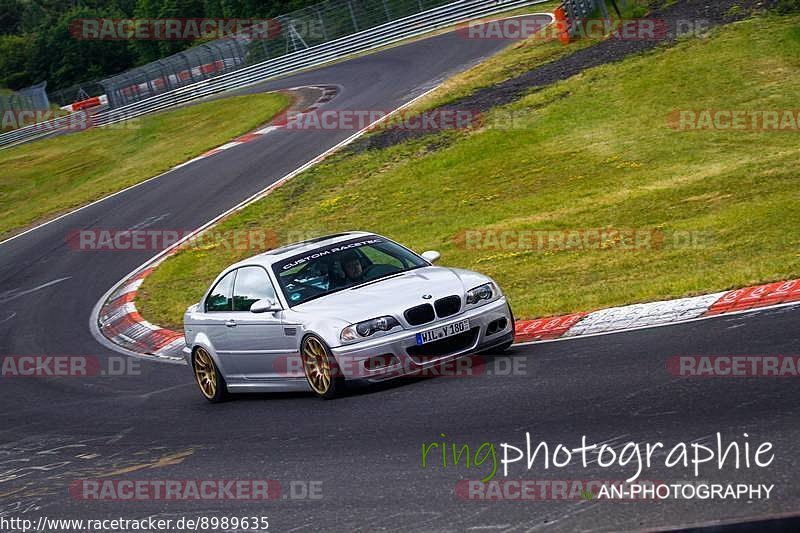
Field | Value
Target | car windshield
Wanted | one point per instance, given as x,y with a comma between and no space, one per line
341,266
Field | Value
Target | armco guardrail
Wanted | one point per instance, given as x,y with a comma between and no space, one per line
386,34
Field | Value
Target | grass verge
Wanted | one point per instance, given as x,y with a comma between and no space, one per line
517,59
48,177
595,151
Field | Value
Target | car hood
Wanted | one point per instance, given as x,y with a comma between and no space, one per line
393,295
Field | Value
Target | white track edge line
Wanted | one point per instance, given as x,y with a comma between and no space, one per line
676,322
139,184
63,215
93,318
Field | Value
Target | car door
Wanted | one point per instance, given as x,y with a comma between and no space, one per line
258,345
215,318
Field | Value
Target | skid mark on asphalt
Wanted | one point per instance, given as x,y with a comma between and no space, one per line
36,472
573,511
167,460
16,293
148,395
149,221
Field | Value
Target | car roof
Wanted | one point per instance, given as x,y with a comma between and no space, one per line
270,257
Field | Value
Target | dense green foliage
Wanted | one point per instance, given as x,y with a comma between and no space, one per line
788,6
36,45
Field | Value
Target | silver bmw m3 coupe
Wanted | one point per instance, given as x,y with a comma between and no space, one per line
355,306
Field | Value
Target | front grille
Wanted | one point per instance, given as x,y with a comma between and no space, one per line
421,314
449,345
447,306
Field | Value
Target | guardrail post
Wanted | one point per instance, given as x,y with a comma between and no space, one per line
321,24
603,9
570,18
352,14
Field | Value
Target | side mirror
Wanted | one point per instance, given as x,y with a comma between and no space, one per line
431,256
267,305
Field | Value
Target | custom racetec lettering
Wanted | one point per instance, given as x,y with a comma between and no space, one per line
299,260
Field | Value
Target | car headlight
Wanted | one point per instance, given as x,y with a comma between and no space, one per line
368,327
487,291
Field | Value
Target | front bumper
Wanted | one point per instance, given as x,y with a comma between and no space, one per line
398,353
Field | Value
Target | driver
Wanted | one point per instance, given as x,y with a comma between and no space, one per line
353,270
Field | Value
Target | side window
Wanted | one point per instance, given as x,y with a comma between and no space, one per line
252,284
220,297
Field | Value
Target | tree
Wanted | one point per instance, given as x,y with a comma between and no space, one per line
63,60
10,16
15,52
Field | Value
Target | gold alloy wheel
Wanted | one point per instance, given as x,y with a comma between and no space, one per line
316,365
205,373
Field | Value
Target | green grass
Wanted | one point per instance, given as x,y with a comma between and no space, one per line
594,151
45,178
516,59
511,62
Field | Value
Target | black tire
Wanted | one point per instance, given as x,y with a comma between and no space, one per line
503,347
317,359
208,377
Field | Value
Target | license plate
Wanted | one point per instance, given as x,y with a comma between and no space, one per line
442,332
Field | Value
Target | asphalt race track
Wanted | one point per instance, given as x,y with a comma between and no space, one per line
363,448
